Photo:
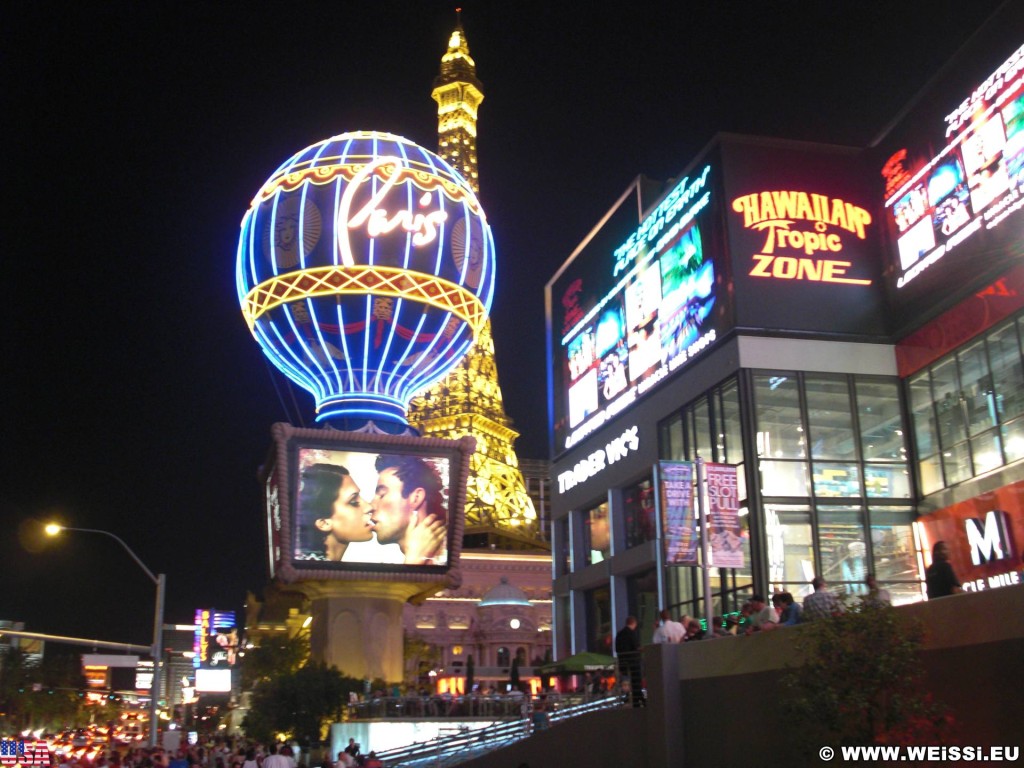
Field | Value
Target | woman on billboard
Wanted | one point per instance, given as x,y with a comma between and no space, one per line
332,514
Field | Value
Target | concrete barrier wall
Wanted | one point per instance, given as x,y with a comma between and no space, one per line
723,695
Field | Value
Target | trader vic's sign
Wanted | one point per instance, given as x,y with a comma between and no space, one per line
805,234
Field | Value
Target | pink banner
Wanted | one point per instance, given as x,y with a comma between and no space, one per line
723,512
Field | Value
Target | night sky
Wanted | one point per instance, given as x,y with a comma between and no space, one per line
135,135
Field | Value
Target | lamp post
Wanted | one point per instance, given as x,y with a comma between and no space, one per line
160,580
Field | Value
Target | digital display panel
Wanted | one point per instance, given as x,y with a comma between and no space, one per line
213,680
636,303
953,174
351,504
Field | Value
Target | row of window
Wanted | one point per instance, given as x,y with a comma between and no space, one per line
968,409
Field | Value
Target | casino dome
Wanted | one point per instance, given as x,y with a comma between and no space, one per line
504,594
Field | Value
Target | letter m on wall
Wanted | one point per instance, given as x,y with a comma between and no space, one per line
989,537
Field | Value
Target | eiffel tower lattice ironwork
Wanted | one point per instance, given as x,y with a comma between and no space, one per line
468,400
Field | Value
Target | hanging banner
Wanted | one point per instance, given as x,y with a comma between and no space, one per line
679,523
724,516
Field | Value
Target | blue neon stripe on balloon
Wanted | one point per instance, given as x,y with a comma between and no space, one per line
297,373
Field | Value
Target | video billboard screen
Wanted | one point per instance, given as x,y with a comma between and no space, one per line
953,173
357,506
349,503
637,303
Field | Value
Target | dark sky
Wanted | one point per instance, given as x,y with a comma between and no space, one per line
135,135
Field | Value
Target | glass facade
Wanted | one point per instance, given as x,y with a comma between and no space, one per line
830,449
968,409
829,446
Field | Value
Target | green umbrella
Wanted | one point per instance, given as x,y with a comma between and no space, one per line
587,661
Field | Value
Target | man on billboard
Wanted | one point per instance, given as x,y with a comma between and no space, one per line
408,509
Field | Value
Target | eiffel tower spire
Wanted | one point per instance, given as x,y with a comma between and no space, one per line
468,400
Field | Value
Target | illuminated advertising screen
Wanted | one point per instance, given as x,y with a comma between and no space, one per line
213,680
352,504
952,172
803,238
635,303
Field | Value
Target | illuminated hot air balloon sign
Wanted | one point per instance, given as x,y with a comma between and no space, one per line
365,270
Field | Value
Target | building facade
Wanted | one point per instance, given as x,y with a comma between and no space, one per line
840,325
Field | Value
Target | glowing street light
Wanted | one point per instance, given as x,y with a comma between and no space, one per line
53,529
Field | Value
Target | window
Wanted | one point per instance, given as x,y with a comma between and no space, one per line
790,548
599,620
639,513
893,553
597,534
882,439
830,419
842,546
780,436
561,562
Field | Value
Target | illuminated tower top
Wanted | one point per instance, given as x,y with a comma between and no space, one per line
458,95
468,401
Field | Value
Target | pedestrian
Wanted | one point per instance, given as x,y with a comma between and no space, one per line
940,579
821,604
539,718
627,648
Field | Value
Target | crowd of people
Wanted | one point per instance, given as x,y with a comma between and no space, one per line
757,615
223,753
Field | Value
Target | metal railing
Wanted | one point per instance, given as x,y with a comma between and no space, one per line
474,706
450,749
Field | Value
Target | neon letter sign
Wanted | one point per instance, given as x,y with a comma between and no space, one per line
423,226
775,212
989,540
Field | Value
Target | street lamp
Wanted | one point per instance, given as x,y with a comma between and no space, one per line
52,529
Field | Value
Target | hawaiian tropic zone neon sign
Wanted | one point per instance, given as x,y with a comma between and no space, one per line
797,253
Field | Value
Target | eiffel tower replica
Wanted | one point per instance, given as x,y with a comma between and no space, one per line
499,511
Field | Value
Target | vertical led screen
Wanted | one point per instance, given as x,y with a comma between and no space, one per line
952,173
355,505
216,638
634,305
